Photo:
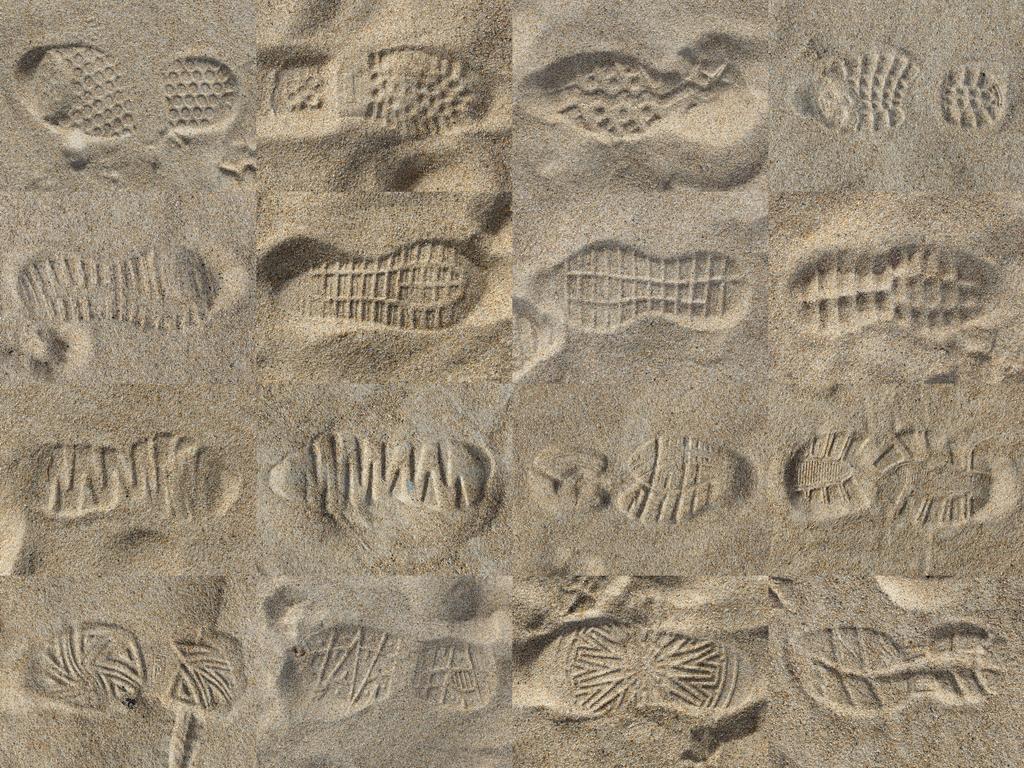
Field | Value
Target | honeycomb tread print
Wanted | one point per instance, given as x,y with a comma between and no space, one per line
200,93
80,88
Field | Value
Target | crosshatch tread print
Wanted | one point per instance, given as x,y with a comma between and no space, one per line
609,285
419,287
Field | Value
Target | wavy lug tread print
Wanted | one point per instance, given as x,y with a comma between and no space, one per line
91,665
973,98
167,473
418,93
919,287
200,93
622,99
864,93
343,477
78,87
420,287
616,667
608,285
172,291
859,671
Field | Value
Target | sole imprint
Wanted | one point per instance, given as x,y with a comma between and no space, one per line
348,478
608,285
620,98
860,671
973,98
824,476
166,472
340,670
423,286
200,94
454,674
863,93
925,481
90,665
410,92
299,88
915,286
209,671
150,291
209,678
616,667
674,479
418,93
572,476
77,88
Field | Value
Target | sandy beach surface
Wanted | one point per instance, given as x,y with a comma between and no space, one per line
463,384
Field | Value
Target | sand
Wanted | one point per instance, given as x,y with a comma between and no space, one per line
463,384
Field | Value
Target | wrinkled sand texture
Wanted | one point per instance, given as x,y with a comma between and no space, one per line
463,384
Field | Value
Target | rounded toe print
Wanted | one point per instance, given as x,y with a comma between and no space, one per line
418,92
200,94
77,88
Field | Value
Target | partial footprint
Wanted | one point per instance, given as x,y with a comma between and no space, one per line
300,86
76,88
42,352
200,93
973,97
